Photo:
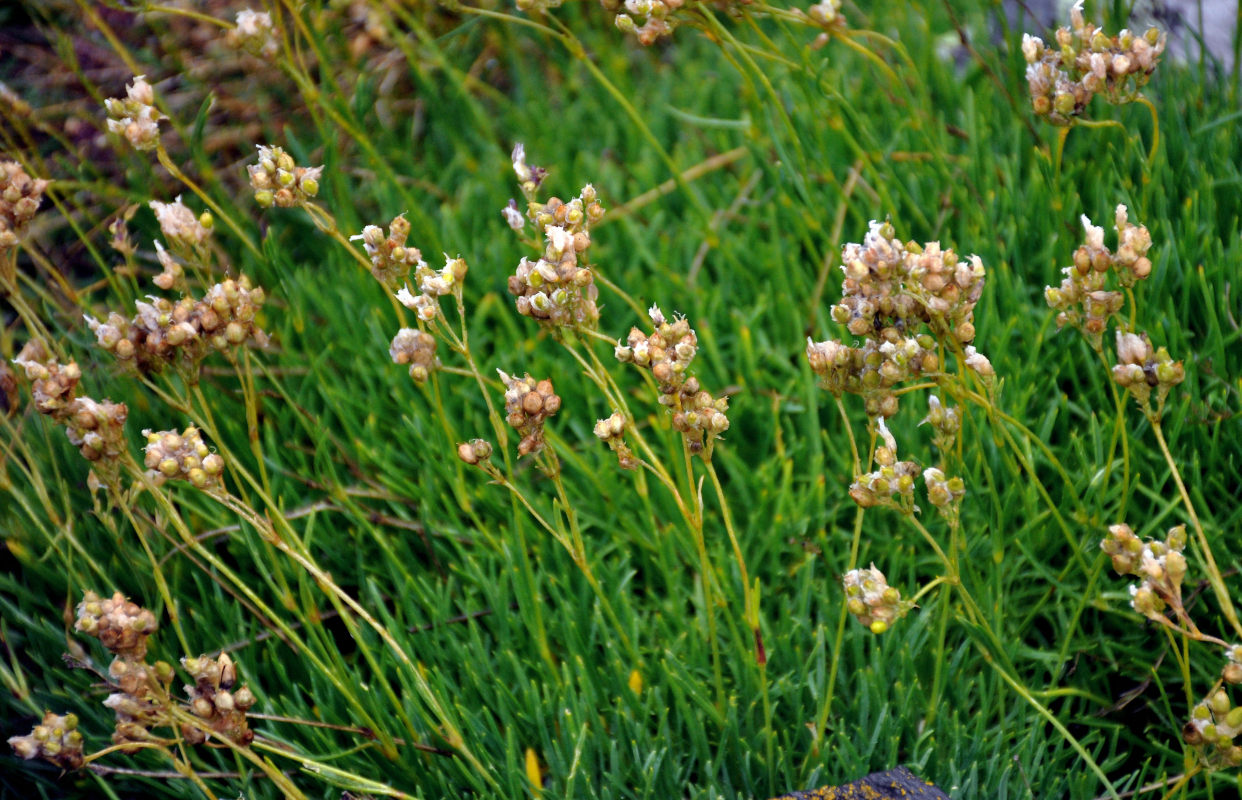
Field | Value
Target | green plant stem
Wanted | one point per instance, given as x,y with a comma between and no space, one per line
162,156
1155,136
707,574
448,729
1026,695
1214,576
825,708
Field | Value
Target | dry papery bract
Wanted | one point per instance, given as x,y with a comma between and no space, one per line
1085,62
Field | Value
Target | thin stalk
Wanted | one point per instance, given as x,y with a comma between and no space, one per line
1213,572
162,155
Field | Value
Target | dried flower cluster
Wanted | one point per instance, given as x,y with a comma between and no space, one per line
871,600
1160,566
182,456
892,484
656,15
1087,62
874,370
120,625
183,229
416,348
1140,368
391,260
135,117
20,196
826,15
611,431
889,285
432,285
278,181
214,700
474,451
942,492
141,698
182,334
54,386
1083,300
890,291
667,352
96,428
123,627
527,406
55,739
558,290
1214,723
254,33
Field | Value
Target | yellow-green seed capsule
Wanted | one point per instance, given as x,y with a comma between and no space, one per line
879,626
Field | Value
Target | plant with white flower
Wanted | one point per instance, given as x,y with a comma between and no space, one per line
254,33
277,180
871,601
1062,80
1084,299
135,117
891,485
416,348
1141,368
432,285
667,352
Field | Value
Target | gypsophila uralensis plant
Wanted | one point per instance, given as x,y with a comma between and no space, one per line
20,196
667,352
277,180
871,600
1161,567
254,33
135,117
558,289
182,334
909,303
140,697
1087,298
96,428
1086,62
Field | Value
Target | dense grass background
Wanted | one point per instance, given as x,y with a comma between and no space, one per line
420,118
